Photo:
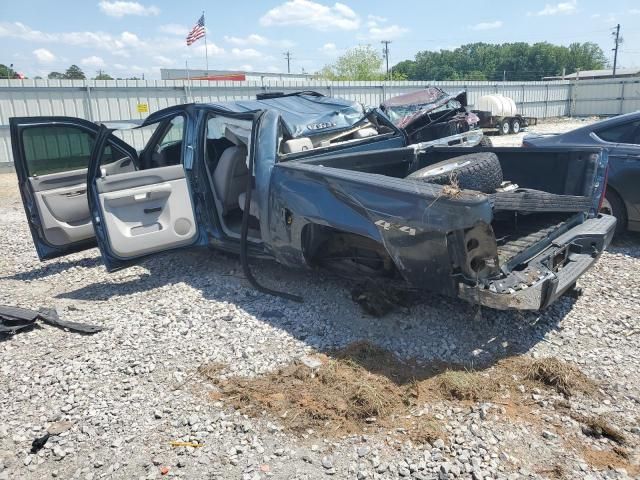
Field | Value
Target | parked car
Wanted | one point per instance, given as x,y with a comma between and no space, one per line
435,117
621,137
266,179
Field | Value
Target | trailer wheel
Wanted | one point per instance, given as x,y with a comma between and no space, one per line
479,171
504,127
515,125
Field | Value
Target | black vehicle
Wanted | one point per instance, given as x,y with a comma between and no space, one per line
621,137
228,177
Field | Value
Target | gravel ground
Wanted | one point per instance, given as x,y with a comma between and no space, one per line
128,391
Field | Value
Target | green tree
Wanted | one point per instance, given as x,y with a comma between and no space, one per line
74,73
359,63
6,72
103,76
511,61
55,76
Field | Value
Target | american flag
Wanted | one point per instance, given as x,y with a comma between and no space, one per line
197,31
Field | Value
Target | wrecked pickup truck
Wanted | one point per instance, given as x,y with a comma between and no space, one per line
503,227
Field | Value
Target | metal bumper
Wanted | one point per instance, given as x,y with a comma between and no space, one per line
585,244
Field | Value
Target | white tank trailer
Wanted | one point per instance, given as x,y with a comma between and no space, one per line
500,112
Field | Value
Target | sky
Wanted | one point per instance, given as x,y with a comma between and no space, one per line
132,38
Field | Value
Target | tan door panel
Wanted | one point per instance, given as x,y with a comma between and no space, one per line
61,200
147,211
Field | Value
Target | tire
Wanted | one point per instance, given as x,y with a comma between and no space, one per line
504,127
613,205
486,142
479,171
516,126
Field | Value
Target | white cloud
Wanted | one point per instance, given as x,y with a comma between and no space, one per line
375,20
212,49
384,33
162,60
44,56
635,11
93,61
329,49
306,13
120,9
252,39
487,25
245,53
174,29
562,8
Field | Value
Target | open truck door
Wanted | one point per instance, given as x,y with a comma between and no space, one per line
51,156
82,186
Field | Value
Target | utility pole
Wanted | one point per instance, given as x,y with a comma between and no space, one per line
617,41
287,55
386,53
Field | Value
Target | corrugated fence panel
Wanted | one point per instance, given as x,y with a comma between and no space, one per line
126,99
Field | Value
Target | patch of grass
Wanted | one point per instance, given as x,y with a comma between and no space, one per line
563,377
452,189
598,427
464,385
364,388
210,370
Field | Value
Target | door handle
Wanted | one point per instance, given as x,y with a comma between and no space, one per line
77,193
137,195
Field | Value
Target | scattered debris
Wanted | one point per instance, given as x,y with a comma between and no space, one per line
377,300
176,443
56,428
39,442
15,319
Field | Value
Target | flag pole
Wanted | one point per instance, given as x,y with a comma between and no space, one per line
206,49
186,66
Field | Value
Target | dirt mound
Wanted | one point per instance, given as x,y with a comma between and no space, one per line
364,388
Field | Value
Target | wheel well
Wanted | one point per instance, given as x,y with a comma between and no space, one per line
612,190
327,246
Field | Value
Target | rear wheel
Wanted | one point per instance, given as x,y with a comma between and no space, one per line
613,205
515,125
504,127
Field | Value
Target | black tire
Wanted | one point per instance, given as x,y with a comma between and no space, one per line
616,208
504,127
516,126
486,142
478,171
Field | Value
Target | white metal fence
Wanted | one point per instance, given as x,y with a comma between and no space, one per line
99,100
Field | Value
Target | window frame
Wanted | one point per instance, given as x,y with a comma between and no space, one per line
112,143
630,135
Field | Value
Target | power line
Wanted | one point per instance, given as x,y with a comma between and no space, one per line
287,55
386,54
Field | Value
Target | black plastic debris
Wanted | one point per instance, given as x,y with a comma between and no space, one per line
39,442
15,319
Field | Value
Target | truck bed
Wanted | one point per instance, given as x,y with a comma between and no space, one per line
518,233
